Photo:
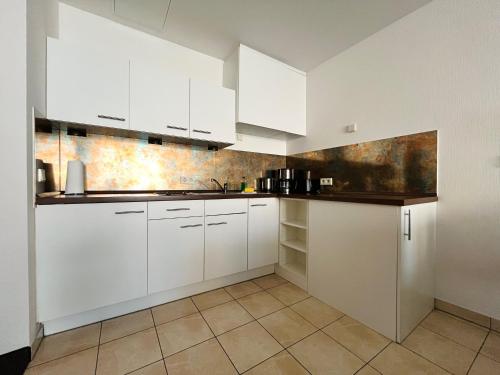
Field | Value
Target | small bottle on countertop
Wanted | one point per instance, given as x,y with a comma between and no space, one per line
243,183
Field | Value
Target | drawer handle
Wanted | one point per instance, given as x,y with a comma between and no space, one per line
258,205
191,226
202,131
178,209
408,233
221,223
111,118
128,212
176,127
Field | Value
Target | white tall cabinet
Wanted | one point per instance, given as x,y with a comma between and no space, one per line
89,256
374,262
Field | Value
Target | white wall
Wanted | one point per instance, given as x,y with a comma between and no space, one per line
437,68
41,21
99,33
14,284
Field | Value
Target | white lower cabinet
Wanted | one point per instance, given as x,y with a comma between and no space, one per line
373,262
225,245
263,231
175,253
89,256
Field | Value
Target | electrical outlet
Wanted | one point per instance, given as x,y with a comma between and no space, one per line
326,181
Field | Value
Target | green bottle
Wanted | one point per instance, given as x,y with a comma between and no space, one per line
243,183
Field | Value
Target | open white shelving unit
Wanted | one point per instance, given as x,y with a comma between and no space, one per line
293,241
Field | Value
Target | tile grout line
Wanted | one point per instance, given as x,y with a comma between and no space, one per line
98,349
143,367
284,348
421,356
365,366
477,354
158,339
154,324
350,351
447,338
213,333
380,352
69,354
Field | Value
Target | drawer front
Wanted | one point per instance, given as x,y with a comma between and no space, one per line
225,206
172,209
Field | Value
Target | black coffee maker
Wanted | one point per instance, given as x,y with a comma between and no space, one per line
286,180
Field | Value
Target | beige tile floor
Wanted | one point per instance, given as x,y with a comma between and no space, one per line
263,326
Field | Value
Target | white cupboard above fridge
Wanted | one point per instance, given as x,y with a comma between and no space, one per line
271,96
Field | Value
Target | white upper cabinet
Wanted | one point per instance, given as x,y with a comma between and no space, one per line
159,102
86,88
271,94
212,112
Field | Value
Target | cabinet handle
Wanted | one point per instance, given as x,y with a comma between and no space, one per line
202,131
178,209
176,127
258,205
191,226
408,234
128,212
221,223
111,118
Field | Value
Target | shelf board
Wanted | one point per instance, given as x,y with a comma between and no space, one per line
296,268
295,244
295,223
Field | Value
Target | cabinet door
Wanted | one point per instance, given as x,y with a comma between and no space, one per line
263,231
159,103
86,88
270,93
417,245
353,260
212,111
225,245
89,256
175,253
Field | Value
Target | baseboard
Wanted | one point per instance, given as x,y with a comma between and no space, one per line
472,316
15,362
108,312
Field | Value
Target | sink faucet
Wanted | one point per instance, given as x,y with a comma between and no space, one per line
222,188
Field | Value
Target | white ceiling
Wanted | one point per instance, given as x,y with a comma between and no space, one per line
302,33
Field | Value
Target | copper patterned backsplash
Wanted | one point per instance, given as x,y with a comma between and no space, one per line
400,164
406,164
116,163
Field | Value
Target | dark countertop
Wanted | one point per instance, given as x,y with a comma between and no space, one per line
110,197
390,199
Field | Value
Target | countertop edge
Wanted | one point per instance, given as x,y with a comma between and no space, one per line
379,199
